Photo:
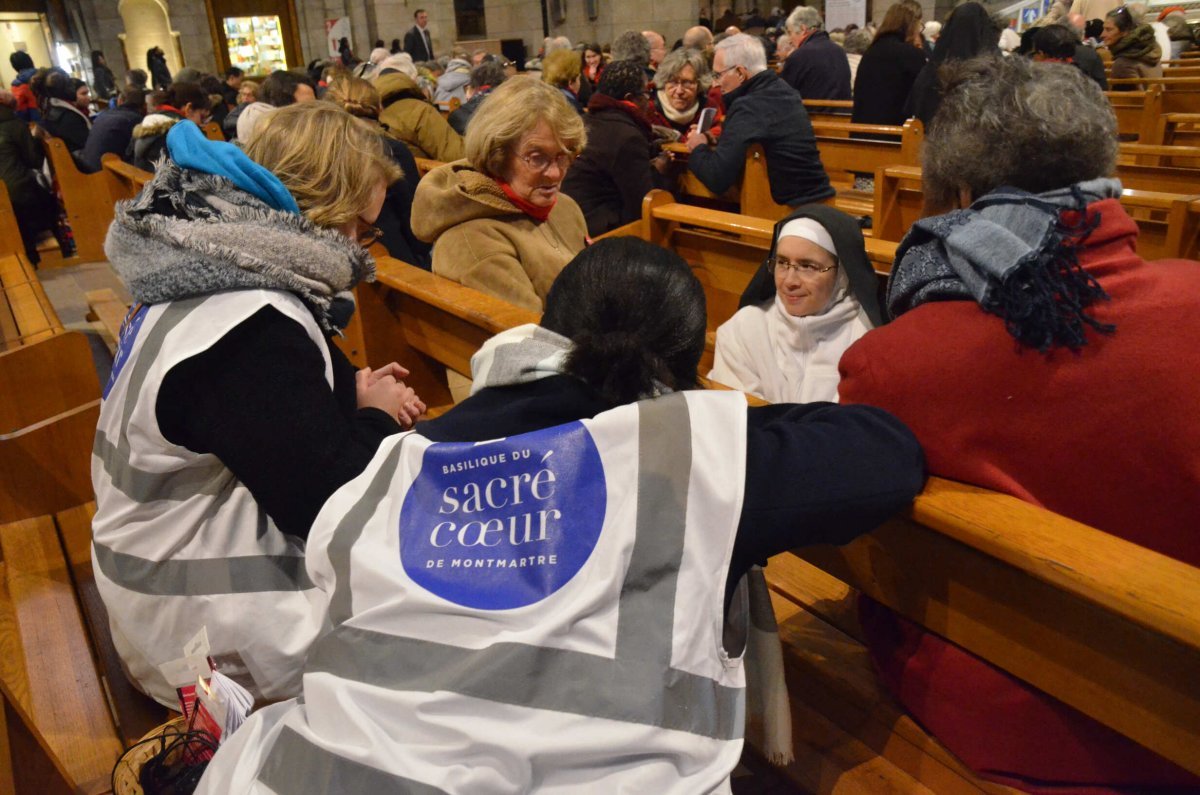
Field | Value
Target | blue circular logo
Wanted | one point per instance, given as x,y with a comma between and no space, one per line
504,524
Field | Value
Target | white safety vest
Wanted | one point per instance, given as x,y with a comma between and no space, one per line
178,542
542,613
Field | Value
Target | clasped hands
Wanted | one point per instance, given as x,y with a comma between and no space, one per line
382,389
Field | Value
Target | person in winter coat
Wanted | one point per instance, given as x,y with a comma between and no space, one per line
617,168
970,32
112,130
484,78
682,90
182,101
653,493
1135,51
889,67
359,98
759,108
817,68
280,89
105,87
27,103
21,156
814,297
453,82
229,417
411,118
1027,351
61,116
498,220
156,63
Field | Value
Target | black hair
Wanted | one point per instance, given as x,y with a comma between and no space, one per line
180,94
233,71
1054,41
97,57
137,78
1093,28
20,60
970,31
489,72
621,78
211,84
395,48
418,11
59,85
279,88
636,315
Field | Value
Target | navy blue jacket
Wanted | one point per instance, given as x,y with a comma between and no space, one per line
818,69
765,110
111,132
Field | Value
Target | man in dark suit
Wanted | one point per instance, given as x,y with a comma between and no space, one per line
417,42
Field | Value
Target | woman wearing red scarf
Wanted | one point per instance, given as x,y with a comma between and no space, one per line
497,220
616,171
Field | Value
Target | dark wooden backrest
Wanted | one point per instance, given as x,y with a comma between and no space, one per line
87,198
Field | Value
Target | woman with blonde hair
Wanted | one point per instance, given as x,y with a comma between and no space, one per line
229,417
359,98
498,220
561,69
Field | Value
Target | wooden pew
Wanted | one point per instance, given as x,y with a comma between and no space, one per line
425,165
125,180
88,200
1179,129
1137,113
1099,623
837,110
1166,169
1179,94
1166,221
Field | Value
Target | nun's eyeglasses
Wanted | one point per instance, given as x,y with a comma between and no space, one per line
804,267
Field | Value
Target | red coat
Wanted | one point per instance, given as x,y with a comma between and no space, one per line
1107,436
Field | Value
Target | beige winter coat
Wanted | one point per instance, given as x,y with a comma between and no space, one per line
482,241
411,118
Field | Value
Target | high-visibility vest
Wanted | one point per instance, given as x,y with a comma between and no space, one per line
539,613
178,541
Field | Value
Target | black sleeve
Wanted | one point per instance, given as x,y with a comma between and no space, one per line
820,473
721,168
258,400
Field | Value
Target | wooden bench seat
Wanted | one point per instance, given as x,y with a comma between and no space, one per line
88,200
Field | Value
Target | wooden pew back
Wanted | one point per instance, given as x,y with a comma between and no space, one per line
1179,94
88,200
1137,113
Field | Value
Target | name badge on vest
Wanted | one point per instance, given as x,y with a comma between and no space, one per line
129,331
505,524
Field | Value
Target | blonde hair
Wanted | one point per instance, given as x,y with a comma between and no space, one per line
327,159
512,109
560,67
356,96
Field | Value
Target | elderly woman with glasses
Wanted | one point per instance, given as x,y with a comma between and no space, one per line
814,297
498,220
683,80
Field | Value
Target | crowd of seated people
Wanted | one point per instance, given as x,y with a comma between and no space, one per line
227,376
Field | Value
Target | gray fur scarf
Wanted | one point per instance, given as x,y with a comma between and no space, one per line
189,233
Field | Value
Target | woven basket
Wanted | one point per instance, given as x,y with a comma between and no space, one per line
129,768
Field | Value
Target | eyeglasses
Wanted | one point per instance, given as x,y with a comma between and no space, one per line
689,85
719,75
804,267
367,233
539,161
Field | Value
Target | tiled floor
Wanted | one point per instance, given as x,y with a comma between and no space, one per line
66,287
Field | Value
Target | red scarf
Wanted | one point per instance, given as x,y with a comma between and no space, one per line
532,210
169,109
605,102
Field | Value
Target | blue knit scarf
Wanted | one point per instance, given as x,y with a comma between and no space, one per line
1014,254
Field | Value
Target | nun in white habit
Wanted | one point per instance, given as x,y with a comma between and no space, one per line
815,295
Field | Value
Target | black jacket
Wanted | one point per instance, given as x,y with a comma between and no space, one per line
765,110
613,174
414,45
815,474
160,74
395,219
818,69
149,139
20,154
459,119
1091,65
66,124
106,85
886,74
111,132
